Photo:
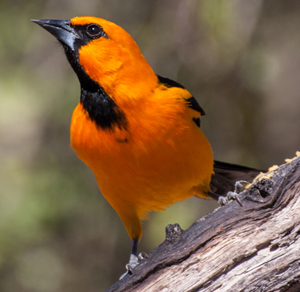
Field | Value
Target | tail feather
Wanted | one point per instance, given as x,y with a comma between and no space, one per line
226,174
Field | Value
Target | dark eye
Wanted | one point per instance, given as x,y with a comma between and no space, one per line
93,30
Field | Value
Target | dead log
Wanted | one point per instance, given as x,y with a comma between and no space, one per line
255,247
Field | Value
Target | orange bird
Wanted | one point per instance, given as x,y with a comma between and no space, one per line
138,132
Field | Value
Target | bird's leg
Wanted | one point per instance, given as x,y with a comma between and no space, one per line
224,200
134,258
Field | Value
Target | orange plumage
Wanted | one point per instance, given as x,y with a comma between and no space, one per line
138,132
162,156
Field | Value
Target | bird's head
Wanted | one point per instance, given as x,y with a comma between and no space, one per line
102,51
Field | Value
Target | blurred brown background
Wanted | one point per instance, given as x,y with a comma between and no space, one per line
240,59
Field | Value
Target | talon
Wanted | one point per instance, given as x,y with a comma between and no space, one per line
128,272
129,268
123,275
239,201
230,196
142,255
240,186
133,262
234,196
223,201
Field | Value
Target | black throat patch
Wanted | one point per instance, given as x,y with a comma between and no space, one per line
99,106
102,109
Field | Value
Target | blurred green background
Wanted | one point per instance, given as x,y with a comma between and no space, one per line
240,59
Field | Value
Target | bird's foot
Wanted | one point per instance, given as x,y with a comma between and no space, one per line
238,188
133,262
230,196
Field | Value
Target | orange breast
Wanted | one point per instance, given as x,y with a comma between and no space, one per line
161,159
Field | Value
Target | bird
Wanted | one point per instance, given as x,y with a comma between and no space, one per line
139,132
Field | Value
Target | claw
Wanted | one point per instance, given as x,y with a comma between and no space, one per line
230,196
133,262
234,196
142,255
223,201
129,268
123,275
240,186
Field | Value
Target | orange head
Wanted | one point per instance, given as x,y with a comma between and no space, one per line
104,52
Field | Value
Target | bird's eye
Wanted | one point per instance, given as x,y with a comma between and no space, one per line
93,30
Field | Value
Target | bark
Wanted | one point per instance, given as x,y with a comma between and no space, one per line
255,247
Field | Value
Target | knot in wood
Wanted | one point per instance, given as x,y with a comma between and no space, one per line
265,186
173,232
260,192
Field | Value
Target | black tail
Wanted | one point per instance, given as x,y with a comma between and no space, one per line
226,174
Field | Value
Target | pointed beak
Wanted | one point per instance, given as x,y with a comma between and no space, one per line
61,29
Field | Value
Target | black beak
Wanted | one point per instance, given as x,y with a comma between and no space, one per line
61,29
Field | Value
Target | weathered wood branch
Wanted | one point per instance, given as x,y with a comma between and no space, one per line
251,248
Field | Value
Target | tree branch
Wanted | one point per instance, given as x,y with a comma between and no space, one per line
251,248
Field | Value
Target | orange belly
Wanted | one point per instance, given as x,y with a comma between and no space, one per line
138,173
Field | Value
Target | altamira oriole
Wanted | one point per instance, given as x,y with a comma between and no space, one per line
138,132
